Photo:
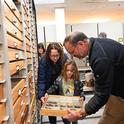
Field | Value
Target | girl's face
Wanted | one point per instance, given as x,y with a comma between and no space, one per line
54,55
69,71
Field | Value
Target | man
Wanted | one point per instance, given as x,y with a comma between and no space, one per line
106,58
102,35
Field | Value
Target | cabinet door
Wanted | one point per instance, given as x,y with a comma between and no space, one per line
114,30
90,29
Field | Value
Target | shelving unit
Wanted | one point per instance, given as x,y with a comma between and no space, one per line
18,62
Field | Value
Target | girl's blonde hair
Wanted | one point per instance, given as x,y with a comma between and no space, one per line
75,74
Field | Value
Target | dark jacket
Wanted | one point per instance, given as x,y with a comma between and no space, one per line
57,88
47,74
106,58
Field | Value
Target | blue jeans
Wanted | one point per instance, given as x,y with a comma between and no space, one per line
52,119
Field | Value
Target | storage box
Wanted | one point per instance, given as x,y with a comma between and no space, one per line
57,105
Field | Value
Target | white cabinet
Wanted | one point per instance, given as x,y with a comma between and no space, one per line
90,29
114,30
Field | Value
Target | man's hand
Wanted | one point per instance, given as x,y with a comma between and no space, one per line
75,115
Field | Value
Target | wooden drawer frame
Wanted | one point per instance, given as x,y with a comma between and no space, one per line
17,107
60,104
1,72
13,8
1,92
11,29
16,66
17,90
10,16
15,54
28,54
2,112
14,43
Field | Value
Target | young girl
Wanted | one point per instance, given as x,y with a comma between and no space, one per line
68,83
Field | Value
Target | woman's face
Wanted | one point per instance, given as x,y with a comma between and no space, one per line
54,55
40,50
69,71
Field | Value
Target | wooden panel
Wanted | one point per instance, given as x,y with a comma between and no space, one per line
32,105
13,8
27,30
28,48
31,80
25,9
33,117
31,88
15,54
2,112
13,30
17,90
28,42
10,15
26,3
27,34
25,117
1,72
28,54
29,61
14,43
20,115
29,74
24,96
1,91
17,107
16,66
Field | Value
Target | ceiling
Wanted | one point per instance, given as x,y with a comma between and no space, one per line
77,11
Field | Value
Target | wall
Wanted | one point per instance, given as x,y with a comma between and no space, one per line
114,30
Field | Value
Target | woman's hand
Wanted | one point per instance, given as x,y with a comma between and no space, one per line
44,98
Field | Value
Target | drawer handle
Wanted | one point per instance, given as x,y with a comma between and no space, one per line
26,86
15,44
14,21
13,9
17,67
22,114
22,103
15,32
16,55
19,92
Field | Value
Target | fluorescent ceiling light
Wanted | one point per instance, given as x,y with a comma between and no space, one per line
44,23
60,24
95,20
48,1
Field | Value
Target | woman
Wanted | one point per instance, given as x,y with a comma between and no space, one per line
50,67
41,50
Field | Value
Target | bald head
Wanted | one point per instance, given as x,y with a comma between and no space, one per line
75,37
76,43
